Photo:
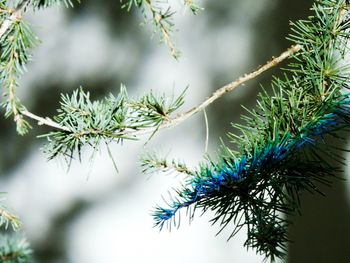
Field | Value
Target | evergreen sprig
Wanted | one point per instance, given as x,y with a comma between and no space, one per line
282,145
14,46
17,38
14,250
116,118
152,162
160,14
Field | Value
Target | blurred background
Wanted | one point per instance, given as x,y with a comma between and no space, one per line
91,213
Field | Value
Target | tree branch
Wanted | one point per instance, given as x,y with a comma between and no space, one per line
221,92
15,16
184,116
44,121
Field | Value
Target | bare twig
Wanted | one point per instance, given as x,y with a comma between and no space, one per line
221,92
44,121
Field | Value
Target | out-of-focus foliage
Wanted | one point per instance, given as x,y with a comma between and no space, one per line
14,250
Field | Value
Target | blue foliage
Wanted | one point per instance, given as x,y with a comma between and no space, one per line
232,174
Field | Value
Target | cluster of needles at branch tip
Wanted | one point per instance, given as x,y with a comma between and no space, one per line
282,144
112,119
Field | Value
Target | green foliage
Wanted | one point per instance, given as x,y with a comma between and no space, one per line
114,118
160,15
14,250
18,39
14,47
152,162
282,144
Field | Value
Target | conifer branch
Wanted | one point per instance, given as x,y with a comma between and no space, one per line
161,20
282,148
18,111
222,91
83,122
171,122
153,162
282,144
16,38
128,119
16,15
160,15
